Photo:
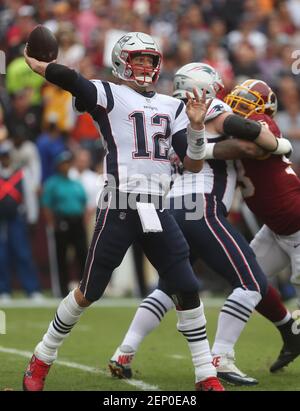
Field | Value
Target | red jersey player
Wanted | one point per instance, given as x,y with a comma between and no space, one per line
271,189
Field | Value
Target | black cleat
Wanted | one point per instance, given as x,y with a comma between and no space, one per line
285,357
119,371
291,346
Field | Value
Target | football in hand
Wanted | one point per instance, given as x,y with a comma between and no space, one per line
42,44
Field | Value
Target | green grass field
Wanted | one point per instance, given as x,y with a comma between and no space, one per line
162,363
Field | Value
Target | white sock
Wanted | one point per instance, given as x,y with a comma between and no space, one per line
285,320
233,317
148,316
66,316
191,323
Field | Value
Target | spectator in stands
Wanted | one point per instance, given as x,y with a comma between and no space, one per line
288,118
70,50
19,77
57,108
24,115
50,143
64,201
25,155
81,172
15,213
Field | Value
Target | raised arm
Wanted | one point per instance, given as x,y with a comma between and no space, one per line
190,144
62,76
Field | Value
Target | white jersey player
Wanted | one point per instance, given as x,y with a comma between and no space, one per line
215,177
139,126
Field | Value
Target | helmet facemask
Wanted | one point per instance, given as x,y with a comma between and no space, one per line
131,45
246,102
140,74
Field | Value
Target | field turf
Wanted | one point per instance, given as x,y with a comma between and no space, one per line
162,363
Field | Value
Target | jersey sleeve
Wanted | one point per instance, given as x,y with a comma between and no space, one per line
181,119
267,121
216,108
101,94
179,143
103,97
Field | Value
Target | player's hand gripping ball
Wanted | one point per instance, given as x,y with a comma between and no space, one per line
42,44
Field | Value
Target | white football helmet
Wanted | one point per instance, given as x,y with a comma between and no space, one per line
132,45
198,75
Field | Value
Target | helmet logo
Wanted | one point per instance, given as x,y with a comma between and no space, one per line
202,68
123,40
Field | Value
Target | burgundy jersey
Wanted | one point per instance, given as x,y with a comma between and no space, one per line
271,188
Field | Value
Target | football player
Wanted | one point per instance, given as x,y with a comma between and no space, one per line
211,237
139,126
271,190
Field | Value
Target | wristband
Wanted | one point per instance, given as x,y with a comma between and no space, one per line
209,152
196,143
283,146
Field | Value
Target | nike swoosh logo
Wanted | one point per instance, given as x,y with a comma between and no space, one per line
296,245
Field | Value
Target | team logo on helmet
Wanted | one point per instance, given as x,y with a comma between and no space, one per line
197,75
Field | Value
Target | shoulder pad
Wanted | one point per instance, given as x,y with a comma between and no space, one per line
216,108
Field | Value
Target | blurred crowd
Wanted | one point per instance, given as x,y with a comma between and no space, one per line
61,152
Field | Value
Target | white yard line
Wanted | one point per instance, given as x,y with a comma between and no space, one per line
210,302
178,356
141,385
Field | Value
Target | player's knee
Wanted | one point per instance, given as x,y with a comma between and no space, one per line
186,300
80,298
249,297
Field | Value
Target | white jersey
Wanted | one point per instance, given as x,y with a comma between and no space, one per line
217,177
138,131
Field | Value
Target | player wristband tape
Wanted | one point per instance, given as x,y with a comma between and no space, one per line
196,143
209,151
283,146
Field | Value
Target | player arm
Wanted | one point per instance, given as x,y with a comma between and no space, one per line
233,149
62,76
194,140
239,127
180,146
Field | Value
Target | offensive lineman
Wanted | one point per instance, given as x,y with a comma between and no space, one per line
212,238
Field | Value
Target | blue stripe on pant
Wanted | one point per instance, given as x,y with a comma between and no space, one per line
116,230
221,246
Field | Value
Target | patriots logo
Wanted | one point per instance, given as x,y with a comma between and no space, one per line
201,68
123,40
215,109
